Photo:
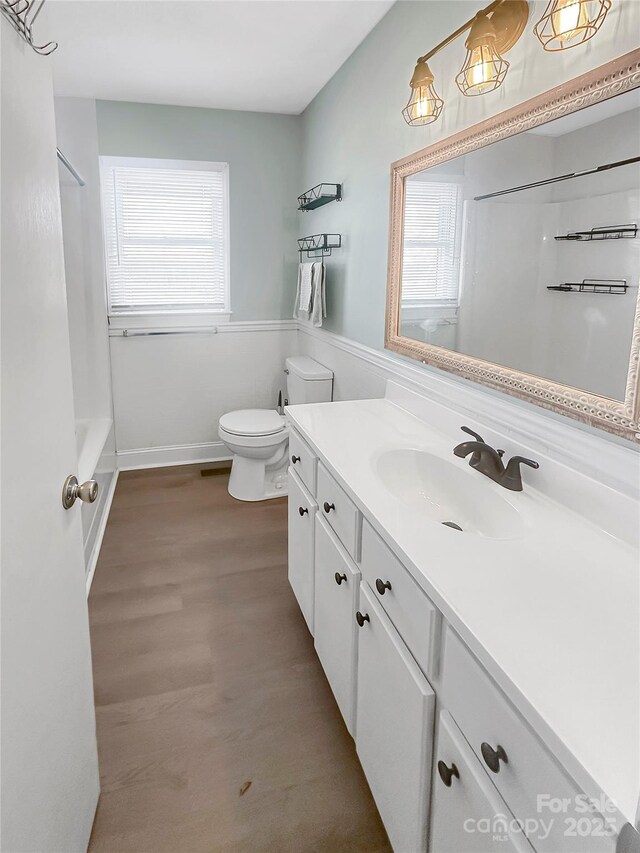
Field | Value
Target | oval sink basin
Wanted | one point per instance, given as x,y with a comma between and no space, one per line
443,492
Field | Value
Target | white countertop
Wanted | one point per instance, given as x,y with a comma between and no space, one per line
554,616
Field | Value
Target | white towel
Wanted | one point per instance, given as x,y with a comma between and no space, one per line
319,302
304,293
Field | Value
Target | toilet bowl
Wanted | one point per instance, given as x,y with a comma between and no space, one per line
259,438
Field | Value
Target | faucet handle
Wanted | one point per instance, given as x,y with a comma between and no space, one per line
474,434
528,462
512,478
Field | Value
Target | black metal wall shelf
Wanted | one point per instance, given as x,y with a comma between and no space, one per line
612,232
322,243
319,195
593,285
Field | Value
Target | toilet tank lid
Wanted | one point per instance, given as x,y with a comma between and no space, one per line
307,368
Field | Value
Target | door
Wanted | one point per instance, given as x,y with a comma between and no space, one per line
302,510
49,761
337,583
468,815
394,727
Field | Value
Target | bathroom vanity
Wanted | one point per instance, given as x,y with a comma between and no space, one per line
488,674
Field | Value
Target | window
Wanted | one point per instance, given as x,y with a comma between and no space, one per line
430,265
166,236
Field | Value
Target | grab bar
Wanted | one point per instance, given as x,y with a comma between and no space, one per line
143,333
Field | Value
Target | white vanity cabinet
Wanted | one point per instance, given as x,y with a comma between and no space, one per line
337,588
395,710
382,643
467,814
302,511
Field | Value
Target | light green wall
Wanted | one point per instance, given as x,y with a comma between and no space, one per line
264,155
353,131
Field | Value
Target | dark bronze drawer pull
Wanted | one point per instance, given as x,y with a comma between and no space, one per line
493,757
382,586
362,618
295,459
447,773
302,510
339,578
328,507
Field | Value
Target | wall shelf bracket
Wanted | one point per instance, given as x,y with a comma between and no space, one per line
319,245
319,195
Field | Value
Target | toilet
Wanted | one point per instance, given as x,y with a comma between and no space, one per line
259,438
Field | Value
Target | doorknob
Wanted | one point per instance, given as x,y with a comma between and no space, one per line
72,490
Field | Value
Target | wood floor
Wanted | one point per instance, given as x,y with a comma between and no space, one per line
217,730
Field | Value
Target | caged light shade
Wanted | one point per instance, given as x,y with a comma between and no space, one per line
484,69
424,105
568,23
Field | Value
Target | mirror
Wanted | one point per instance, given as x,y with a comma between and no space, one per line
522,255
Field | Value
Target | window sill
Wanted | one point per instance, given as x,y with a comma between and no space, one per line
168,321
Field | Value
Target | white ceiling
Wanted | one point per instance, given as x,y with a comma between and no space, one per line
265,55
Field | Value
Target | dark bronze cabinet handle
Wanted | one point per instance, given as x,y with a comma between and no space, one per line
447,773
493,757
302,510
339,578
362,618
328,507
295,459
382,586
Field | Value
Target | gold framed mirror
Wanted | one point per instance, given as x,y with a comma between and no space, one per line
514,251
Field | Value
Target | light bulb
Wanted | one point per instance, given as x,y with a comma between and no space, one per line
568,19
484,69
424,104
568,23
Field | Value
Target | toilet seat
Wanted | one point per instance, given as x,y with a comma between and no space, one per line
252,422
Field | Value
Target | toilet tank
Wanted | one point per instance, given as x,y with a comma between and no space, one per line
307,381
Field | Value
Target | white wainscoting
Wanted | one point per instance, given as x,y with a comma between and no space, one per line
171,389
362,372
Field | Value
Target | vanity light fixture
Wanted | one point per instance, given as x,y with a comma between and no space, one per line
424,104
568,23
484,69
494,30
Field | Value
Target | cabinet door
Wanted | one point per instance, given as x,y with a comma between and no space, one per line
302,510
336,601
467,813
394,727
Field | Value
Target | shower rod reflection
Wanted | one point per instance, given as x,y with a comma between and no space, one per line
559,178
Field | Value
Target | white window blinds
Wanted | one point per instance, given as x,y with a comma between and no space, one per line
165,237
430,264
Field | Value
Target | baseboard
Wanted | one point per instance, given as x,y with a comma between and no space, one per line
95,553
177,454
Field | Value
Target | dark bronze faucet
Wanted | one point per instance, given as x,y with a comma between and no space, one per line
489,462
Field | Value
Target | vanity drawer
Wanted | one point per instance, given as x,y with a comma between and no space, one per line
302,461
486,717
412,613
338,510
